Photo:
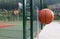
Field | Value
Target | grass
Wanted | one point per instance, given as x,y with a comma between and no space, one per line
59,21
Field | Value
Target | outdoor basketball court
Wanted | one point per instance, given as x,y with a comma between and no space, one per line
16,32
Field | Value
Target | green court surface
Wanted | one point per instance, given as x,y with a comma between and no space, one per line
16,32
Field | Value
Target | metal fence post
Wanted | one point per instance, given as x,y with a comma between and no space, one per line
41,6
24,19
45,4
31,19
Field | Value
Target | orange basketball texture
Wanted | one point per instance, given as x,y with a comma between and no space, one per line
45,16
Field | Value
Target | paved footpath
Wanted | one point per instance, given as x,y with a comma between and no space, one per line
50,31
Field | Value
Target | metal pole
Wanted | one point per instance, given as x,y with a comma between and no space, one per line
45,3
41,6
24,19
31,19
